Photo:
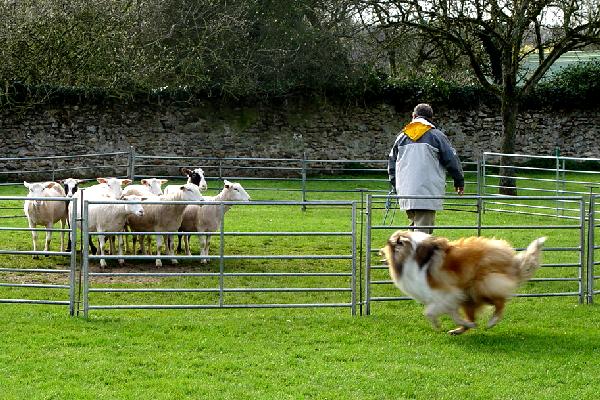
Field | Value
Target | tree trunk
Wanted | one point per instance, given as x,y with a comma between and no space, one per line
510,109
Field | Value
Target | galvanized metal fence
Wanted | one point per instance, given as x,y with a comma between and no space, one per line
563,278
311,176
593,246
14,170
545,175
233,266
13,273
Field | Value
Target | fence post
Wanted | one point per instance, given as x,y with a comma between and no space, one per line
53,169
590,250
85,257
582,254
482,185
131,163
221,256
557,155
368,258
73,266
304,180
353,283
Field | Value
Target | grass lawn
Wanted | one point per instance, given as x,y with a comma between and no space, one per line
543,349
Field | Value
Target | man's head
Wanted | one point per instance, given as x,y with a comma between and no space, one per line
424,111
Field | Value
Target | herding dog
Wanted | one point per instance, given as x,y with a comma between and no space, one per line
468,273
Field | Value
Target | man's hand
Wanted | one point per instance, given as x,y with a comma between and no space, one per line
460,190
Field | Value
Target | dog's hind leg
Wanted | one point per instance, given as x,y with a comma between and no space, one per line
470,309
499,304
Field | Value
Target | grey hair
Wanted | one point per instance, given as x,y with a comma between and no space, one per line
423,110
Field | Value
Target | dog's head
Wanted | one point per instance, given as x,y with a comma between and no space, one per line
406,245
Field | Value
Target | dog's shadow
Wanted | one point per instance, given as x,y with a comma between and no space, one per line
530,343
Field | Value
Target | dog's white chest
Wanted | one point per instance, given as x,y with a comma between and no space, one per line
414,283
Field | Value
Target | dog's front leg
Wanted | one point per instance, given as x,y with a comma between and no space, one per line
432,312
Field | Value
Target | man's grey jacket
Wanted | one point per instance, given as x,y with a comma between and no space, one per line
418,163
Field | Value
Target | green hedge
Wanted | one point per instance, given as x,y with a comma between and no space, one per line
573,87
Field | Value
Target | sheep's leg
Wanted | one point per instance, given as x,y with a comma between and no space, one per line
186,245
120,249
171,248
101,245
179,243
204,245
62,235
111,245
33,237
148,243
142,244
49,227
158,245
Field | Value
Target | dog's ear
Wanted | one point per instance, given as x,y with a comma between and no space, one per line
425,250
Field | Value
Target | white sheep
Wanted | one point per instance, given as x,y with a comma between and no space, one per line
107,189
112,218
195,176
150,186
165,217
207,218
45,213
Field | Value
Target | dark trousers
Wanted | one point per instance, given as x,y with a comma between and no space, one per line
421,218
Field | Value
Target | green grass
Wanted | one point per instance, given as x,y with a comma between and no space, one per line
542,350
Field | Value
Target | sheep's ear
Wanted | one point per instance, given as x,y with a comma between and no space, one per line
27,184
182,188
60,181
163,181
186,171
101,180
144,181
227,184
125,181
80,180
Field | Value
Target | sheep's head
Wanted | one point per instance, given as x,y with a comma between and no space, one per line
235,191
114,185
70,185
36,189
154,185
190,192
195,176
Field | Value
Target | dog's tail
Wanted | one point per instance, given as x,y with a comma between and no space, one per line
528,260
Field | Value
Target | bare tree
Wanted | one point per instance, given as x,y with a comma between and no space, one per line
497,36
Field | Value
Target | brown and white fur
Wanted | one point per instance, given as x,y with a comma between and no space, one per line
467,273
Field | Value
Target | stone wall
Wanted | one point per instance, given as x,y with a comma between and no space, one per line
323,131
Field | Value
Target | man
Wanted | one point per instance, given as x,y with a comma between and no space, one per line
417,166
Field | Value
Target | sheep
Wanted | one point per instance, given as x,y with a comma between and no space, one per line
107,189
150,186
207,218
70,185
46,213
195,176
112,218
165,217
111,187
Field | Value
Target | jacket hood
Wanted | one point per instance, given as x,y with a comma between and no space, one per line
417,128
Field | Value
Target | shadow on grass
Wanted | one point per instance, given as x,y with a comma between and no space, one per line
539,342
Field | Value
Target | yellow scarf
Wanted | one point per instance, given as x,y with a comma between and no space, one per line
415,130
